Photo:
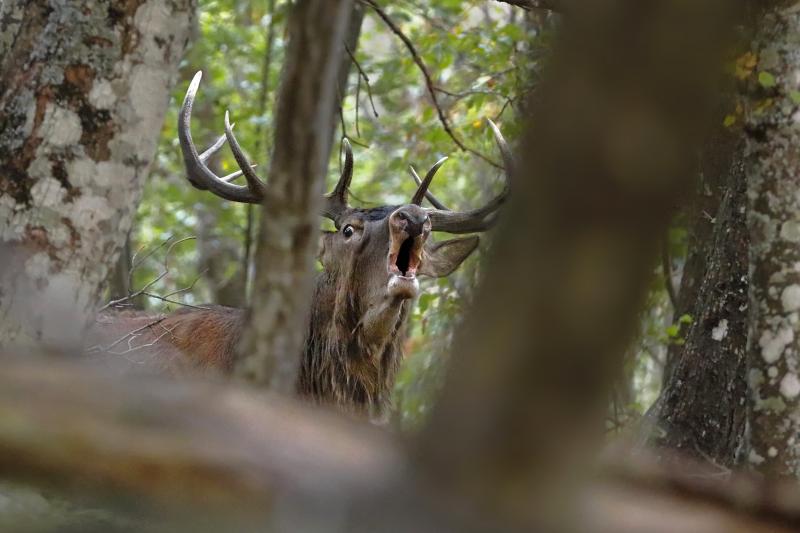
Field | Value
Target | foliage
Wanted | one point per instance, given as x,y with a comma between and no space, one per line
485,58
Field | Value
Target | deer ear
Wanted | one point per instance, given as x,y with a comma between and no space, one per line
442,258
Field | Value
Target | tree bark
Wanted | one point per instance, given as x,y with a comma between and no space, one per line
83,92
717,161
773,168
271,349
701,411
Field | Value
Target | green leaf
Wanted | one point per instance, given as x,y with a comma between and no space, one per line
766,79
795,96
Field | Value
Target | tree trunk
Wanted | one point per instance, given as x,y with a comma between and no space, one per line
609,155
270,352
701,411
773,167
83,92
716,164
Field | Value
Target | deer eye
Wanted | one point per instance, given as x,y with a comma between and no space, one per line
348,231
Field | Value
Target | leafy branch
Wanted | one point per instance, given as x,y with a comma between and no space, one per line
432,89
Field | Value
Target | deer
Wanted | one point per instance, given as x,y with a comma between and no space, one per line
371,265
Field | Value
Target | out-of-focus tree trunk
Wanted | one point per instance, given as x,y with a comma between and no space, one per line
773,168
83,92
609,155
270,351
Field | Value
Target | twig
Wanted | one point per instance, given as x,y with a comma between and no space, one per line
362,75
509,101
428,82
556,6
666,266
144,291
464,94
98,348
344,126
358,105
176,302
190,287
132,348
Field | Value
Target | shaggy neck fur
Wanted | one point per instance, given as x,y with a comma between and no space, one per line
342,367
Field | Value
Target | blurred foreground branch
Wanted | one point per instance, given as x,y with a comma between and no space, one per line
202,449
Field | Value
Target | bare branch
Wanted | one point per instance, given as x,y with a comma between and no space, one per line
144,291
428,82
363,76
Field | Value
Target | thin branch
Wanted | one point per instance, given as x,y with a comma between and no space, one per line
556,6
464,94
358,105
666,266
101,348
363,75
428,82
144,291
344,126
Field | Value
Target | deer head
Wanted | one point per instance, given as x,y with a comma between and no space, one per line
371,264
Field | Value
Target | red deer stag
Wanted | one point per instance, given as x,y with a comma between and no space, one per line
363,295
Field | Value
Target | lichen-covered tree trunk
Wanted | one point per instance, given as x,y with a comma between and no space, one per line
270,351
83,90
774,221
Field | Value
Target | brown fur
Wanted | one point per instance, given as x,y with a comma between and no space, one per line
356,328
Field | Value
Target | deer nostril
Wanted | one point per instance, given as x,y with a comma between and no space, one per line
402,215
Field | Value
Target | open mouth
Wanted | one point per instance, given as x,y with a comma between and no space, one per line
405,255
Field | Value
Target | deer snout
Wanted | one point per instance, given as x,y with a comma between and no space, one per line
411,219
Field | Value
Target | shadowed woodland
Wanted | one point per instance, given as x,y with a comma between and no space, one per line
354,265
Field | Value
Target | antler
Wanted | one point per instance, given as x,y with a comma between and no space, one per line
199,174
422,190
429,195
253,193
336,200
475,220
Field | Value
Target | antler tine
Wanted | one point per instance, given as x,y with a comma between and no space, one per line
505,151
429,195
422,189
482,218
254,183
213,149
336,200
196,170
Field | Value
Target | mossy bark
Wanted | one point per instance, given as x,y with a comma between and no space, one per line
773,168
84,87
